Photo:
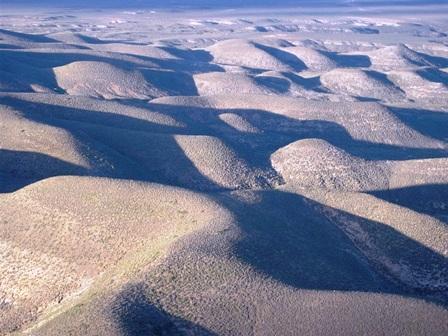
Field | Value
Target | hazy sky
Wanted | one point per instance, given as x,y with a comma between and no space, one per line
201,3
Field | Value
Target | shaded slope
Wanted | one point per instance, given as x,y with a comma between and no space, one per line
253,55
422,84
397,57
338,123
362,84
97,79
315,164
59,246
227,275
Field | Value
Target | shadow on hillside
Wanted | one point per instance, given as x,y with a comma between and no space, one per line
312,83
278,131
434,75
284,236
430,199
94,40
174,83
35,38
22,72
53,114
37,67
291,60
9,46
191,66
275,84
383,79
282,85
348,61
20,168
438,61
427,122
188,54
46,59
289,238
137,316
143,150
117,146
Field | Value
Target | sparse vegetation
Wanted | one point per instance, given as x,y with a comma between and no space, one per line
213,172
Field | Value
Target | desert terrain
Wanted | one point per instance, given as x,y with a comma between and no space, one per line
227,171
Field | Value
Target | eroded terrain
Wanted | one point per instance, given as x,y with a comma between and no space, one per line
227,172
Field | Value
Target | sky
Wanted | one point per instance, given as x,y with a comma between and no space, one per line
204,3
208,3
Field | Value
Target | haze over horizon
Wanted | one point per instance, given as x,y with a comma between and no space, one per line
212,3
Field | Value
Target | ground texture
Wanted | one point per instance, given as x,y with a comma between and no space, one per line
227,172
